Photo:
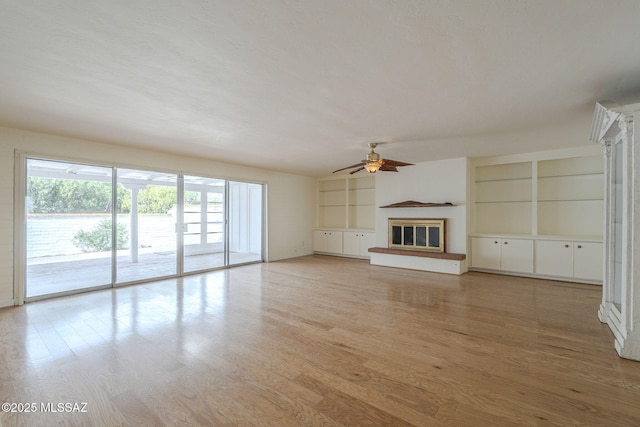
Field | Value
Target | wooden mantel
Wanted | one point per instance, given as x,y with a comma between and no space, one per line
424,254
414,204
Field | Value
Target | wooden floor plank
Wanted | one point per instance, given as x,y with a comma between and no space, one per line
320,340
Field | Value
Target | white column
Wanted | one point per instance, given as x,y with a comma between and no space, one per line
204,210
133,220
134,225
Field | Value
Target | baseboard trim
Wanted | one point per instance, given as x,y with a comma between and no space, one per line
7,303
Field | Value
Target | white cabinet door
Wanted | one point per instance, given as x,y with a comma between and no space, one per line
334,242
357,243
351,243
328,241
517,255
485,252
587,260
319,241
554,258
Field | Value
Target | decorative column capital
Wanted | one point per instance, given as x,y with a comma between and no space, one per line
606,147
625,123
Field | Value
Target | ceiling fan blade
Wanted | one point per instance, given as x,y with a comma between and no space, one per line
357,170
349,167
395,163
388,168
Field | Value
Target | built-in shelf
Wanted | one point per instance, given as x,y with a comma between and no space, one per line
505,201
504,179
559,196
601,174
346,203
541,217
570,200
570,195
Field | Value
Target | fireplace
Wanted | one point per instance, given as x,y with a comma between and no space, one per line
424,234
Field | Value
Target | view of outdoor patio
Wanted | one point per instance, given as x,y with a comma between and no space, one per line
70,212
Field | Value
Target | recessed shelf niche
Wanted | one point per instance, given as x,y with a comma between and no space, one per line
503,198
556,197
362,195
347,203
571,196
332,203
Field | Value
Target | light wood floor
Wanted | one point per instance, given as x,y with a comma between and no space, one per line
320,341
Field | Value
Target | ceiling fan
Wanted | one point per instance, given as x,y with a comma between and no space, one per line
373,163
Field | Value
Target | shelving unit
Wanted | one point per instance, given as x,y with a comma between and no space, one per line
571,196
332,204
503,198
546,204
346,208
362,194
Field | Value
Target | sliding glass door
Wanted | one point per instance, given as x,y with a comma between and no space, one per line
146,225
72,244
68,227
204,223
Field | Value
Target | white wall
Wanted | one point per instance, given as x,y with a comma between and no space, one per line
290,198
436,182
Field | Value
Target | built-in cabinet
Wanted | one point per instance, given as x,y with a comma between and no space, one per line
346,243
543,216
357,243
327,241
492,253
346,214
579,260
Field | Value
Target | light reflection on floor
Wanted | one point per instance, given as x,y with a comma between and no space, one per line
60,329
74,274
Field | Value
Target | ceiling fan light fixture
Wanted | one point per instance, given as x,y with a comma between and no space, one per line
374,163
373,166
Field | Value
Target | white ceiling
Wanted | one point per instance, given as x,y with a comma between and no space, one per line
303,86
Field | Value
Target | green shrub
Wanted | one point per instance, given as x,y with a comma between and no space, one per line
99,238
